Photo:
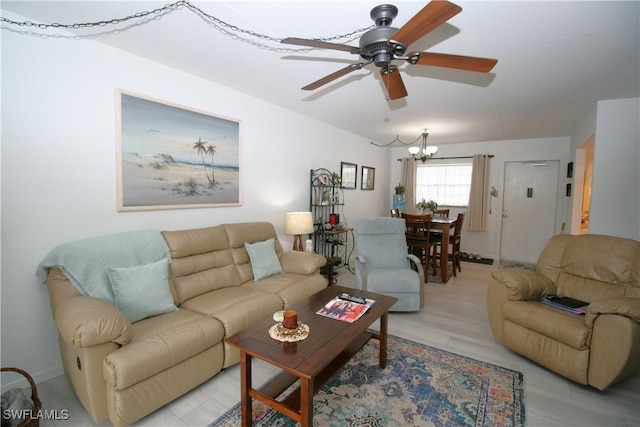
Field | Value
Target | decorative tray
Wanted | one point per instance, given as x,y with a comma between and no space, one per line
280,333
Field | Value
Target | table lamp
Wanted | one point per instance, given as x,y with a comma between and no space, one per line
296,224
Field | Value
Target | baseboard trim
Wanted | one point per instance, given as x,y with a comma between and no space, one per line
38,377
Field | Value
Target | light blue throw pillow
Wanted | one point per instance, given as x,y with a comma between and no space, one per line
142,291
263,257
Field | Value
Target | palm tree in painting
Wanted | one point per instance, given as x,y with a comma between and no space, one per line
211,150
202,150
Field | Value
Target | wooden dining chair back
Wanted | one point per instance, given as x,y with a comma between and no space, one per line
395,213
417,233
438,213
442,213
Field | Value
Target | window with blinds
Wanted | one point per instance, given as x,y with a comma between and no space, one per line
446,184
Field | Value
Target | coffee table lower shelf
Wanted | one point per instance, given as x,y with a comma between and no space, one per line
291,405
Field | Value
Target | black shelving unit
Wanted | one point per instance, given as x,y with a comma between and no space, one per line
331,235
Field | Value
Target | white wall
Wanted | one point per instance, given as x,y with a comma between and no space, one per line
615,193
487,243
59,167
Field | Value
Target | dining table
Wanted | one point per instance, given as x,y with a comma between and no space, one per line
445,224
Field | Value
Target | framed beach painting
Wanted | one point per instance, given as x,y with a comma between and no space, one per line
170,156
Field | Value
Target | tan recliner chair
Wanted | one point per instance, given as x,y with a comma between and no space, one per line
596,349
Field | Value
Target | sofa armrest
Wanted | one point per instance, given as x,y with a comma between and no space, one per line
86,321
628,307
523,285
614,352
306,263
415,261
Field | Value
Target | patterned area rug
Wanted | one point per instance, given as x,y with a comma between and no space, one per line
421,386
436,278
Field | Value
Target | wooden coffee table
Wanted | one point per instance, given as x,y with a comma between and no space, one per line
330,345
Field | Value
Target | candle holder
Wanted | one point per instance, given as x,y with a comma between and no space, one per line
290,319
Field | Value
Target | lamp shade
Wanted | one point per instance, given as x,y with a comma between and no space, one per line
298,223
430,150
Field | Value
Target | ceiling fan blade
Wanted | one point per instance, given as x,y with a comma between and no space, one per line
320,44
469,63
393,82
331,77
431,16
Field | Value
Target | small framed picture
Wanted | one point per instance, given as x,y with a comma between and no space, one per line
368,178
570,170
348,175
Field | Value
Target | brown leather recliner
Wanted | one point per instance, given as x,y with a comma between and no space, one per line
596,349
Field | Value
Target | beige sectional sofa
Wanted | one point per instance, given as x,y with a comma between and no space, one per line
122,370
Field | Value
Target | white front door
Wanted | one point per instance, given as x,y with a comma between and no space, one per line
530,196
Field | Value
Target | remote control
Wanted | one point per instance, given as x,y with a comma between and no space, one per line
353,298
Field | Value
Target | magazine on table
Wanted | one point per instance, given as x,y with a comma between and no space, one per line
346,308
565,303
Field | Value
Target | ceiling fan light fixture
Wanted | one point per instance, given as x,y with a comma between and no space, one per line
383,44
382,59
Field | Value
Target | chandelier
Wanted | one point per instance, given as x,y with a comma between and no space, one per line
424,153
418,153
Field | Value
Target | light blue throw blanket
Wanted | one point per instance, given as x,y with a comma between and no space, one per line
86,262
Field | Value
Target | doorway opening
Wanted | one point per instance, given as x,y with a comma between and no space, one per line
580,213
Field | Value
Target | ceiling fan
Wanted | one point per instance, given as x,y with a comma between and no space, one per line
384,43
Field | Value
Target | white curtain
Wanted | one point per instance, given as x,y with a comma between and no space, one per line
479,193
409,182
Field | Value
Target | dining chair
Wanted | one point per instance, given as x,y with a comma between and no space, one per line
443,213
418,237
454,244
440,213
395,213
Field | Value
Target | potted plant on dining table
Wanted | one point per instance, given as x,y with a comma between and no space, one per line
427,206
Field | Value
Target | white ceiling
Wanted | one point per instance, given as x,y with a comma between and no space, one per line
555,60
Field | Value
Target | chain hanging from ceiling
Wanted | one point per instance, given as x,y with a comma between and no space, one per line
424,153
168,8
398,140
